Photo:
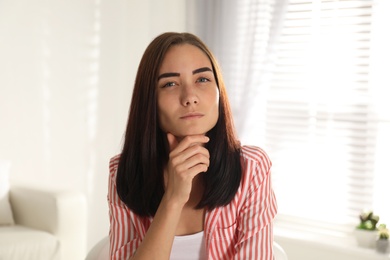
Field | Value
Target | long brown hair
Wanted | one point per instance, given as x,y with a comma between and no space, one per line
140,183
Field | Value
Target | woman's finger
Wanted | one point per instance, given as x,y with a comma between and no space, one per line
188,141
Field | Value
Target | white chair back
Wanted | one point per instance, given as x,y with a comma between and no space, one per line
279,253
101,251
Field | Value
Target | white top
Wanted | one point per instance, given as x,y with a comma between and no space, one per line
190,247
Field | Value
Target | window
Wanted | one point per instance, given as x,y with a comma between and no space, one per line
323,130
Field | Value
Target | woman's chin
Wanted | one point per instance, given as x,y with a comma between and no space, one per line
189,133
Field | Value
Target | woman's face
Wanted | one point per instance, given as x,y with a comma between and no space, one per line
187,92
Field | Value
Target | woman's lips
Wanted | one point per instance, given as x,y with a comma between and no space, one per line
192,115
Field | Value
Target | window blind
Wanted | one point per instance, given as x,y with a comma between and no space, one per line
322,129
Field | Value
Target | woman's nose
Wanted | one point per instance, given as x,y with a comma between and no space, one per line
189,96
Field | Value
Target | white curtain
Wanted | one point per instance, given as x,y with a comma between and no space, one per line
306,79
243,36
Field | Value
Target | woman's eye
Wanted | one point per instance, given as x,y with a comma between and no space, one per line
169,84
203,79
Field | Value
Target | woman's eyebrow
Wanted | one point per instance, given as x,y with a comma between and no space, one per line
201,70
168,74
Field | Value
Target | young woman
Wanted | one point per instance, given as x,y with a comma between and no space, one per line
183,186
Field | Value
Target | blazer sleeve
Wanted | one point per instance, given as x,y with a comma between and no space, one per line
254,222
124,239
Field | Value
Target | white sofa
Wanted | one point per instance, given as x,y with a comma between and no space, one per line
48,225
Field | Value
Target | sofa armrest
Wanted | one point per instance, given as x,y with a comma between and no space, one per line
61,213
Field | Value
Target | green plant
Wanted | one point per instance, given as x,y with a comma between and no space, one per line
383,232
368,221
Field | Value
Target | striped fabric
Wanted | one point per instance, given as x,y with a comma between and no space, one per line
240,230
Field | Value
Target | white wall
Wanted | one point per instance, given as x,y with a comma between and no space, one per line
66,75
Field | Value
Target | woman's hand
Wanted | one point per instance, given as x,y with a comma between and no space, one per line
187,159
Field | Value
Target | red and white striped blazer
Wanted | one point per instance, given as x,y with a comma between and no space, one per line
240,230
